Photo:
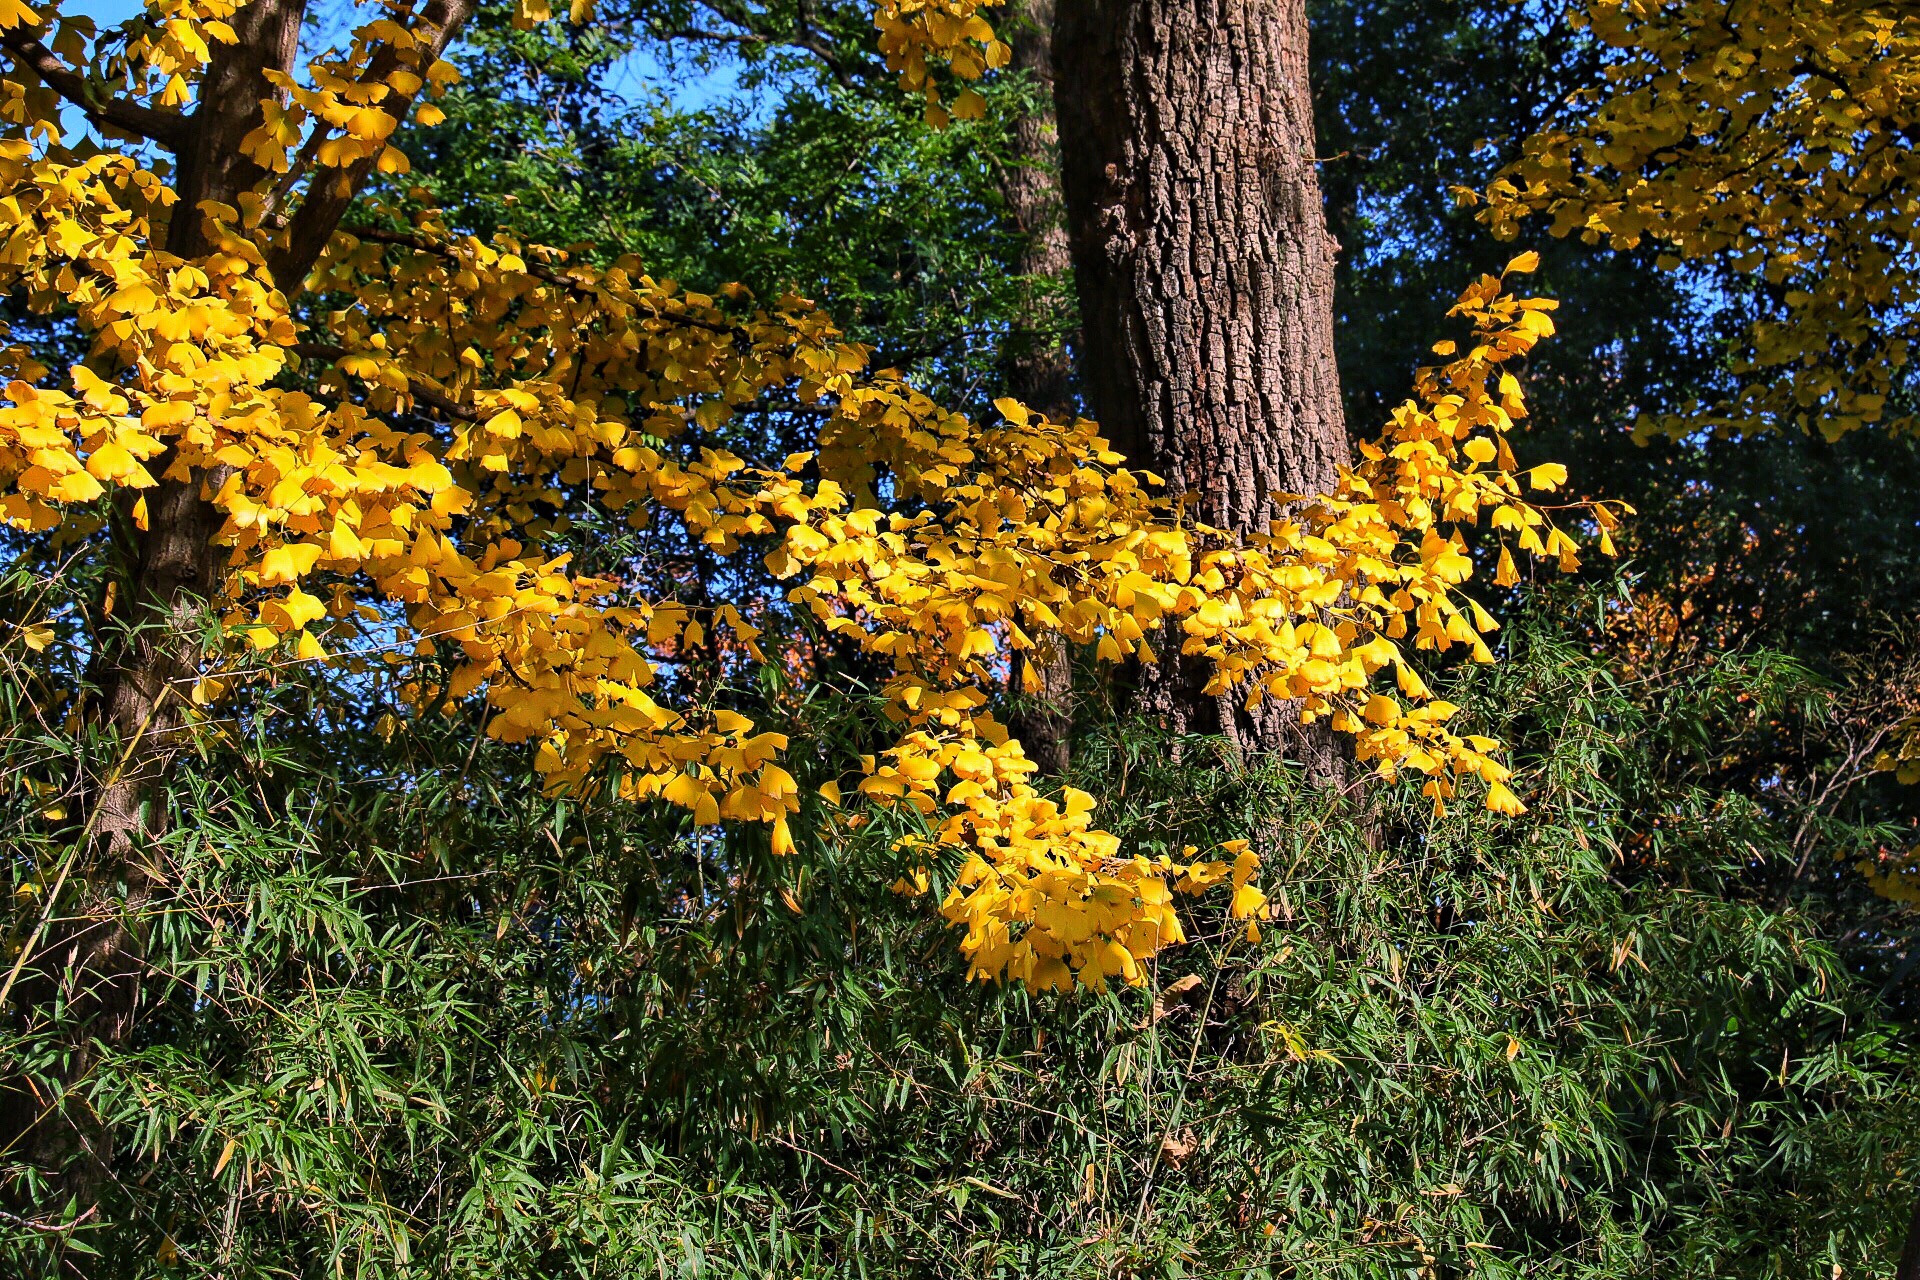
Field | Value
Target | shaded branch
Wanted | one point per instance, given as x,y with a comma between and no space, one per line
167,128
422,391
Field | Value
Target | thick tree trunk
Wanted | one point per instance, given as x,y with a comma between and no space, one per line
1908,1267
145,665
1205,274
147,670
1039,368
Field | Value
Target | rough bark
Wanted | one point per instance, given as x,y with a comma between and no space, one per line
146,661
146,670
145,667
1205,275
1038,366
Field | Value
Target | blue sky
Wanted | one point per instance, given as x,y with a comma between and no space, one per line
104,12
689,87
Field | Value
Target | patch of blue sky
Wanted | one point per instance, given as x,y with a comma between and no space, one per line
713,79
717,82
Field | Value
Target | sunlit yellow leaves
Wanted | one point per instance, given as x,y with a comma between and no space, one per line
110,460
1501,800
297,609
918,35
410,463
1506,574
1547,476
1774,146
288,563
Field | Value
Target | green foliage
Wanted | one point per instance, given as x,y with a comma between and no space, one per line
1790,543
402,1016
405,1017
758,173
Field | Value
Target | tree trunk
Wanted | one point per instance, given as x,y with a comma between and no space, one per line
145,668
146,671
1205,275
1909,1264
1038,367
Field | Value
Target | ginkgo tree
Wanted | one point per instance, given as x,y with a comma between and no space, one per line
1771,141
340,428
1771,147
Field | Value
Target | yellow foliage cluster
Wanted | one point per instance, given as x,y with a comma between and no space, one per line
359,96
423,435
1894,875
918,35
1902,758
1773,137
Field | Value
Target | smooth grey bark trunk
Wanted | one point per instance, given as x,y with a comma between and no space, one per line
1205,275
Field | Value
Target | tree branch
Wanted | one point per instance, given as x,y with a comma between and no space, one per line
803,35
167,128
313,224
418,388
539,271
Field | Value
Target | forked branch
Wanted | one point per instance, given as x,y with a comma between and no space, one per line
167,128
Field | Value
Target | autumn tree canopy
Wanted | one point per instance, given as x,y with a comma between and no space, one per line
925,637
1772,145
366,436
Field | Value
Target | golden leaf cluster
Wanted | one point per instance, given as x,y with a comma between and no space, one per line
1771,138
916,36
417,441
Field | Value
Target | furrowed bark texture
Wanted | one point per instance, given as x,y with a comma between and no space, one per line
147,675
1039,368
93,961
147,672
1205,275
